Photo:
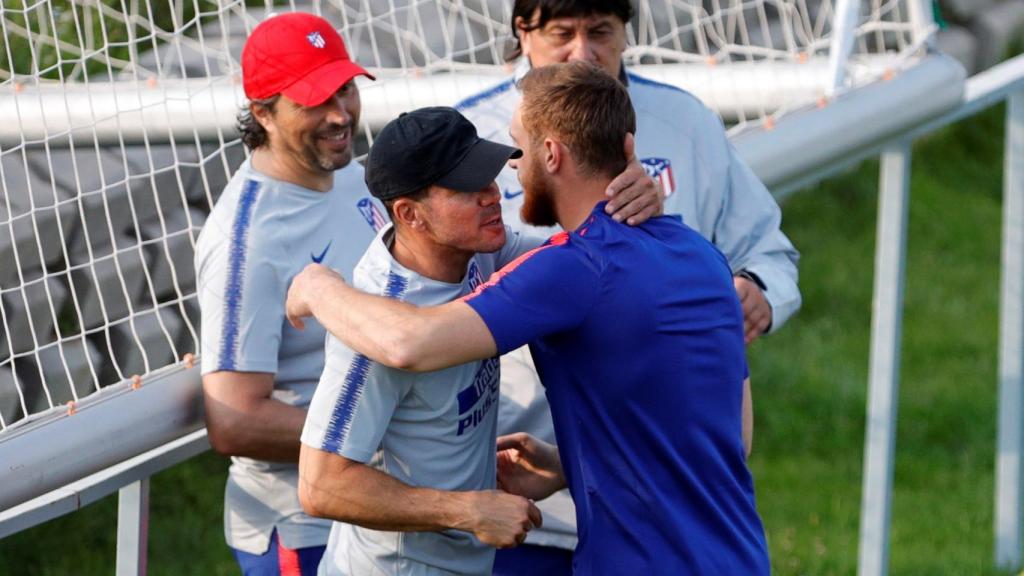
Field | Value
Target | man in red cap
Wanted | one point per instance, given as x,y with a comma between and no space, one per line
299,198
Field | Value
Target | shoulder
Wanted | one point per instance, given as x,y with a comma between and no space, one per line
375,269
565,255
239,209
496,93
665,99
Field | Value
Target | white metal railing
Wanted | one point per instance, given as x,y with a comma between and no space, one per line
1003,82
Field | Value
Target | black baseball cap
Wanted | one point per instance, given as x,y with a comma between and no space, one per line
435,145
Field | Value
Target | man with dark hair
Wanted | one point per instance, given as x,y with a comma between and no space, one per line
637,331
299,198
683,146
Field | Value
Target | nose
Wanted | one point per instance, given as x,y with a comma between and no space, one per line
582,48
490,194
337,112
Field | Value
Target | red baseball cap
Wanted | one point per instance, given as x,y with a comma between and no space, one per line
299,55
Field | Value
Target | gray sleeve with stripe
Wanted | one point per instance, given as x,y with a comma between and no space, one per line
241,293
353,403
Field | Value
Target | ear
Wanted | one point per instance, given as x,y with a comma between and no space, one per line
629,147
407,212
554,155
263,115
525,40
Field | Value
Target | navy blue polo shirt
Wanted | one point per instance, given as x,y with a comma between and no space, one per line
637,334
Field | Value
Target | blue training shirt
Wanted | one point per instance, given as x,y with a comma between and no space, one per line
637,334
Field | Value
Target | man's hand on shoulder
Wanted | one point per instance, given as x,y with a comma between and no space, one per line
634,197
757,312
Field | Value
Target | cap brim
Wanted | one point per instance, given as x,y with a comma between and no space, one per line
316,87
479,167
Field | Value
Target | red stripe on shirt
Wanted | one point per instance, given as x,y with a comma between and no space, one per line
288,561
556,240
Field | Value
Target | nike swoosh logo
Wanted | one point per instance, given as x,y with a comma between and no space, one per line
511,195
320,258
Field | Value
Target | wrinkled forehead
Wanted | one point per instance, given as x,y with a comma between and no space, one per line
576,21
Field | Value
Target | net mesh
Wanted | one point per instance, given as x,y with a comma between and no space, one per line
100,209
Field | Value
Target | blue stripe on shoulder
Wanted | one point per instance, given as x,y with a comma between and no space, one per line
648,82
236,276
355,380
485,95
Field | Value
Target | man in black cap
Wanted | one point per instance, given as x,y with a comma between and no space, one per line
433,481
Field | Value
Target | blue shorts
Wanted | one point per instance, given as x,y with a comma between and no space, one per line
529,559
280,561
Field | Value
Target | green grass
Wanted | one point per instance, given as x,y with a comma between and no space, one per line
810,389
810,379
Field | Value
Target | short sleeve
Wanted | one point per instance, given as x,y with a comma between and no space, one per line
241,298
353,403
547,290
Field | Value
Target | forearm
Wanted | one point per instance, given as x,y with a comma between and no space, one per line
270,431
371,325
372,499
398,334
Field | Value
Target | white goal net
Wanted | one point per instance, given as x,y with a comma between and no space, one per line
117,135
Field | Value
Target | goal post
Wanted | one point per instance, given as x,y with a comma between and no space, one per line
117,134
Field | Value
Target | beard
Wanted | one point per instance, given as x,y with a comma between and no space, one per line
538,204
331,160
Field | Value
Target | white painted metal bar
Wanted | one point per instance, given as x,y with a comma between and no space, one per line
922,93
981,92
132,528
883,391
1008,513
61,447
923,20
92,488
847,13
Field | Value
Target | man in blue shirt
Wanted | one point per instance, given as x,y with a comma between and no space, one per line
637,334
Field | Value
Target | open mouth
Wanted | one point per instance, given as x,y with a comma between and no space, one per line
494,220
335,138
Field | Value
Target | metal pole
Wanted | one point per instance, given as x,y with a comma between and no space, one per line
922,20
844,28
132,528
1011,345
883,391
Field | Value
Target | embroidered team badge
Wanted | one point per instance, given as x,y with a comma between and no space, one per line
661,170
475,278
371,213
316,40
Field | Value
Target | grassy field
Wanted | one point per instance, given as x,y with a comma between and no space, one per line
809,387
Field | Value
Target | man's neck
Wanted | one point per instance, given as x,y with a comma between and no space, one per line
286,168
422,255
573,208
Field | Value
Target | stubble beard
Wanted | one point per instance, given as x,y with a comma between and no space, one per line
328,161
538,202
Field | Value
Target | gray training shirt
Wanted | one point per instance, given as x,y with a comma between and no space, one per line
434,429
261,233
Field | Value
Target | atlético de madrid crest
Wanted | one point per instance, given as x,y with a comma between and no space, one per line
316,39
371,213
661,170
